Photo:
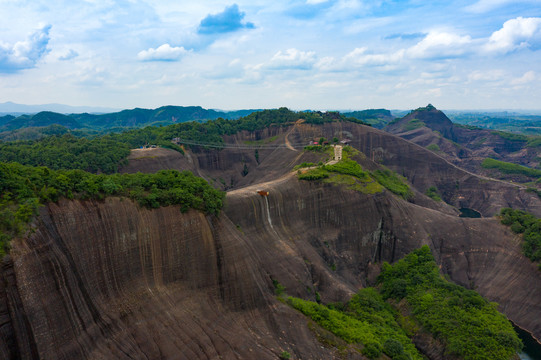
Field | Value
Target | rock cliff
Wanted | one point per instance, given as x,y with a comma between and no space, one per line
110,280
465,146
101,280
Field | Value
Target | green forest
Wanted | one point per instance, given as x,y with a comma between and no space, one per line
60,162
522,222
101,154
24,189
411,297
66,149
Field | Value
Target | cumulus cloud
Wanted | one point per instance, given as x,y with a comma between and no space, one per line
228,20
359,57
441,45
24,54
163,53
293,59
69,55
516,34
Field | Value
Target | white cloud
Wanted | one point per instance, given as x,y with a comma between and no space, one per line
24,54
516,34
70,54
292,59
163,53
440,45
487,75
359,57
528,77
436,92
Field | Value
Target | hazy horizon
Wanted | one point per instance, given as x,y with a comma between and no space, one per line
35,108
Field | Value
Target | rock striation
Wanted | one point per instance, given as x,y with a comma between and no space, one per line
110,280
102,280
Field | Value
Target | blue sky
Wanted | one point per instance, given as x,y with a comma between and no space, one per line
303,54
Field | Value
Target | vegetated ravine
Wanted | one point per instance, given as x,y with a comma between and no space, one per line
102,279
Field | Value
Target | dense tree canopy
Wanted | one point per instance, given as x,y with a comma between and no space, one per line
23,189
412,297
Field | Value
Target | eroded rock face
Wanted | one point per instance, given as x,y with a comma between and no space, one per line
102,280
332,239
423,168
111,280
465,146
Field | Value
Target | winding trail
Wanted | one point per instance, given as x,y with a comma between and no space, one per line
466,171
288,143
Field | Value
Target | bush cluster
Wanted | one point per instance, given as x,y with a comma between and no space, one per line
510,168
468,325
393,182
432,192
527,224
23,189
360,180
348,167
370,323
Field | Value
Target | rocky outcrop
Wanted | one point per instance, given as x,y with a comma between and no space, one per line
108,279
423,168
331,241
102,280
462,145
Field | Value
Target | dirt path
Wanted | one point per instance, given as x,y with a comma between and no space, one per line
288,143
252,189
520,186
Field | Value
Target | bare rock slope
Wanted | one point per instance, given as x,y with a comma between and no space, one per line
111,280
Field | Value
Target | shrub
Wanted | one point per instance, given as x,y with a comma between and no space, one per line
433,147
347,167
432,192
393,182
304,165
372,350
284,355
510,168
314,174
393,348
522,222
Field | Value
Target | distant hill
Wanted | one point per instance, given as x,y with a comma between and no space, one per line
465,145
164,115
378,118
137,117
44,118
17,109
521,123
